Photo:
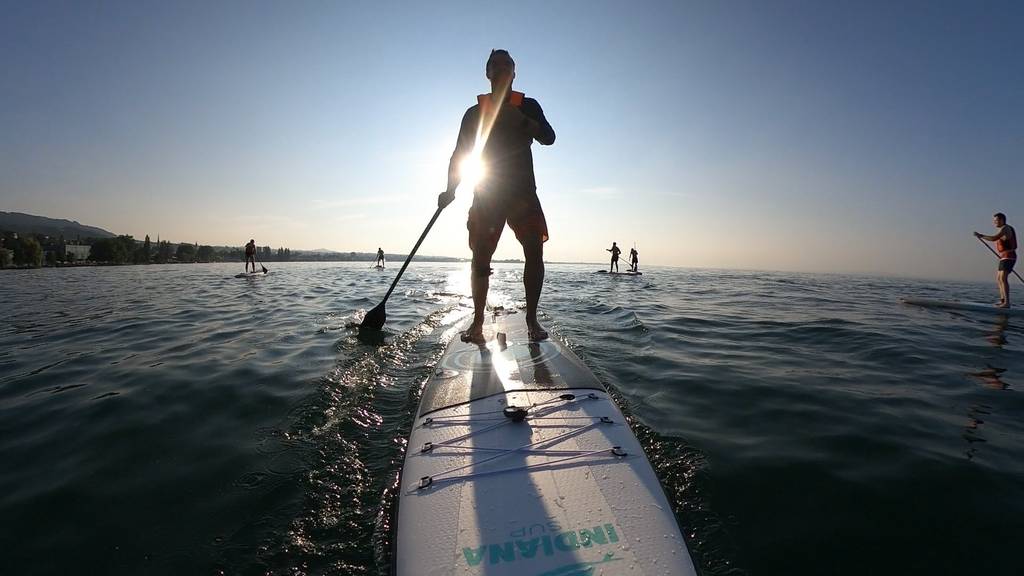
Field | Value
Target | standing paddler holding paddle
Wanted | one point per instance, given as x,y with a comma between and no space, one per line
504,124
1006,249
250,256
615,250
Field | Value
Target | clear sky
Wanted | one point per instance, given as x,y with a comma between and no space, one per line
812,136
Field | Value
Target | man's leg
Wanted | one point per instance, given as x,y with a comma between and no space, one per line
479,281
533,281
1004,288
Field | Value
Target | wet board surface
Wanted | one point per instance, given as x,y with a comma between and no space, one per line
966,306
564,490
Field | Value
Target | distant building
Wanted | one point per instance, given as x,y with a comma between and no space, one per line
78,251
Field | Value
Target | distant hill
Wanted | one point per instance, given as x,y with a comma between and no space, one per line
29,224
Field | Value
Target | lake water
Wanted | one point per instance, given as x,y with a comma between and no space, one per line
177,420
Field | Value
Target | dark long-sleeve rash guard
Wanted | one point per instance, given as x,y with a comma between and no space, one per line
506,156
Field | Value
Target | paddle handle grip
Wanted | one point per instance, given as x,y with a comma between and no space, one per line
413,253
982,240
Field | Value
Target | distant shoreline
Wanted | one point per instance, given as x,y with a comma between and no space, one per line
90,264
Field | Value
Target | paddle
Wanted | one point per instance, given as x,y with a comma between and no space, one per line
261,264
375,318
982,240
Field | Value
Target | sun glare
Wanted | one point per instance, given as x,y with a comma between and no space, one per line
472,170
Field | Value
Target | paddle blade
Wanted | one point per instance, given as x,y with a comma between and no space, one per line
264,268
375,318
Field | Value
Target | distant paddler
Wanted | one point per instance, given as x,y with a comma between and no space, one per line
615,250
634,259
380,257
250,256
1006,250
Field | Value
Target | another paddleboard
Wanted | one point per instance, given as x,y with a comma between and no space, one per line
629,273
519,463
249,274
959,305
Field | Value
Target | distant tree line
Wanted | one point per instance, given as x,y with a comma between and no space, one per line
33,251
20,250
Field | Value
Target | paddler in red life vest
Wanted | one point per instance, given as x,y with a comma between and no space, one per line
1006,247
504,123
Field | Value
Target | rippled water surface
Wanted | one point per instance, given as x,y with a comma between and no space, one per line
178,420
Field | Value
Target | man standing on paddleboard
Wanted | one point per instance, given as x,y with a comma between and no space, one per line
501,128
1006,247
250,256
615,257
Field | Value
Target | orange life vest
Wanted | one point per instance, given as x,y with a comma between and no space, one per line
514,99
1007,247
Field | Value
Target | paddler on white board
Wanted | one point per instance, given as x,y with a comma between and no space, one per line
494,144
615,257
1006,249
634,259
380,257
250,256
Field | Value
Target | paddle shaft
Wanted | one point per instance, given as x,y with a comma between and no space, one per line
413,253
982,240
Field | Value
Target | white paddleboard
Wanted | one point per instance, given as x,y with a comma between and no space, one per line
960,305
627,273
519,463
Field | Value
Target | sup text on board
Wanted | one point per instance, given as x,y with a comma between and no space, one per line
515,550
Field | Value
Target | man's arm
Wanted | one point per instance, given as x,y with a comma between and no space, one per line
464,145
537,125
997,236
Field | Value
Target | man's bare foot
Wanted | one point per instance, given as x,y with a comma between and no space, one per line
475,333
1003,305
535,331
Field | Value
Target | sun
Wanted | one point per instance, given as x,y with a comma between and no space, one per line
472,170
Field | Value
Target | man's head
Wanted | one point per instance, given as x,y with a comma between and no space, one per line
251,241
500,64
999,219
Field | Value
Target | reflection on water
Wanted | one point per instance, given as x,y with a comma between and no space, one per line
972,432
991,377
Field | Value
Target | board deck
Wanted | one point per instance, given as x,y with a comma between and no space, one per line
565,490
961,305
